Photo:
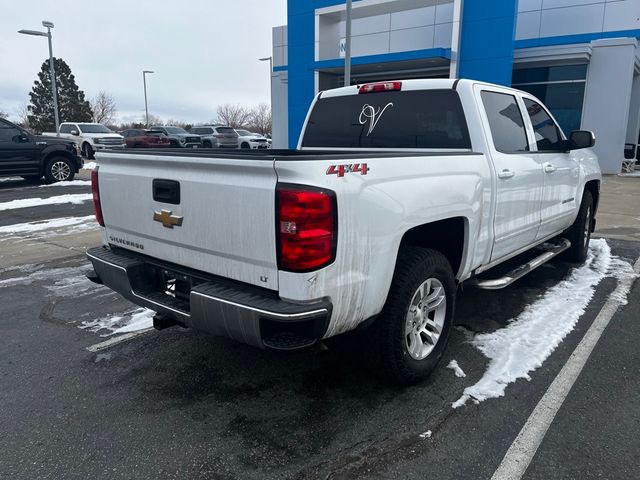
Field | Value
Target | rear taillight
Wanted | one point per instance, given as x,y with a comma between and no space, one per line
380,87
95,190
307,228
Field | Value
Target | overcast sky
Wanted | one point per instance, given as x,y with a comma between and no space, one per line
204,53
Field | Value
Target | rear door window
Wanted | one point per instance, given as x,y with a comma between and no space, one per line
65,128
505,121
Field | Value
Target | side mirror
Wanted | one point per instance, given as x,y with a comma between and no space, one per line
74,132
581,139
23,137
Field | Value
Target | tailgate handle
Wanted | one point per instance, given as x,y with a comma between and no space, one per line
166,191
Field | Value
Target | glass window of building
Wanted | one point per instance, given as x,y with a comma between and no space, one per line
560,88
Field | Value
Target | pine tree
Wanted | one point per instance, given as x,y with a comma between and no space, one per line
72,106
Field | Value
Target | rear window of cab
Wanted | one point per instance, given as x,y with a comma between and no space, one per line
432,119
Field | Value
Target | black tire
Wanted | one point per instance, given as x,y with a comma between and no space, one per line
580,232
32,178
87,151
59,169
207,144
391,340
245,145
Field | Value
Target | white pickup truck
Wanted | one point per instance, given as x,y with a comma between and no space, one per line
90,137
397,193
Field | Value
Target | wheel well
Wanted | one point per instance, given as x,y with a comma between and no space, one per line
446,236
594,188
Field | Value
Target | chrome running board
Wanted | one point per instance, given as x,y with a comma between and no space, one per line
550,250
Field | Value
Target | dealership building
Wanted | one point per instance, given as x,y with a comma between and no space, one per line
580,57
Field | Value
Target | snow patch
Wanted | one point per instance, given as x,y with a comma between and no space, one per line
522,346
131,321
36,202
10,179
62,282
453,365
71,183
45,224
89,166
426,434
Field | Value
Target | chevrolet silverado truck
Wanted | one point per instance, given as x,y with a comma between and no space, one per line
397,193
90,137
34,156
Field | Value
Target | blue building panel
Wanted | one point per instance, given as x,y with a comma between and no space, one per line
486,44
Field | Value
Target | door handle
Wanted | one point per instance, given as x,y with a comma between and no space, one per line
506,173
548,168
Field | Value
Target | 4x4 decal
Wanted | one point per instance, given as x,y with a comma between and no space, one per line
340,170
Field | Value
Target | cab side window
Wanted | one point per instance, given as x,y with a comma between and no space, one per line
505,122
548,137
65,128
8,132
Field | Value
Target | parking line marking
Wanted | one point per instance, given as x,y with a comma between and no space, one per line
116,340
524,447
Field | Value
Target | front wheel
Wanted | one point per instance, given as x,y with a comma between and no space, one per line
244,145
59,169
412,331
580,232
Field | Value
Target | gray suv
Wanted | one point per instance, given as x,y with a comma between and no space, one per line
216,136
178,136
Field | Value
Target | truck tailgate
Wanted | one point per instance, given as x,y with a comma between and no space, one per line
227,208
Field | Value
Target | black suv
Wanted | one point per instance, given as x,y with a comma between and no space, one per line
35,156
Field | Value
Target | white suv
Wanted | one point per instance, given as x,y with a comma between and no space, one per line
247,139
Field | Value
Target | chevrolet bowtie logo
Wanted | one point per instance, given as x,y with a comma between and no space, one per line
167,219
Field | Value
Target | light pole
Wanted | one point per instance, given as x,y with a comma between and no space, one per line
52,69
347,47
264,59
146,109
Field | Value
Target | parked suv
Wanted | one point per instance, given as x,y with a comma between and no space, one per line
89,136
35,156
216,136
247,139
178,136
139,137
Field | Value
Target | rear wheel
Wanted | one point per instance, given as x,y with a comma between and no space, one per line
59,169
87,151
580,232
413,329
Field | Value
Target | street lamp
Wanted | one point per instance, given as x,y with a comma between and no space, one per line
146,109
52,70
347,47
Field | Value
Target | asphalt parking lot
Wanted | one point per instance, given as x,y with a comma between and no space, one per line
89,392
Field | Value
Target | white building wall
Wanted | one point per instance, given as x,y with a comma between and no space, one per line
607,98
550,18
385,27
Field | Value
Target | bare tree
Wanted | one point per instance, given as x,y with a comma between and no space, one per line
153,120
23,115
235,116
3,114
260,119
104,108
